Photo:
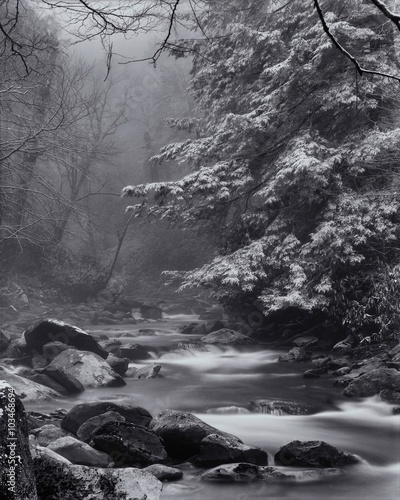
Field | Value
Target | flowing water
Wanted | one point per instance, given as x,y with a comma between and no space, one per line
204,380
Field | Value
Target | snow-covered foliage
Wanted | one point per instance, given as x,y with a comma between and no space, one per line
296,163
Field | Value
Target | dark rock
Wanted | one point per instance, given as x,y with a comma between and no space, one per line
216,450
51,330
48,433
38,361
183,432
227,336
390,396
17,479
4,340
304,341
343,347
321,363
194,329
60,376
79,414
87,429
151,311
295,355
53,349
372,383
41,378
311,374
146,372
119,365
57,479
244,472
314,454
90,369
234,473
342,371
164,473
79,453
396,411
134,352
129,444
337,363
214,326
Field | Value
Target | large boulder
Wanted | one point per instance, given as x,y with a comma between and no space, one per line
146,372
183,432
17,480
87,429
133,352
227,336
374,382
90,369
81,413
314,454
27,390
53,330
61,376
41,378
119,365
57,479
129,444
79,453
216,450
164,473
295,355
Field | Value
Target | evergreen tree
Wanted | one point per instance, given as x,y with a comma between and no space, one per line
295,167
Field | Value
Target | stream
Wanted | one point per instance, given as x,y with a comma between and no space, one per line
201,380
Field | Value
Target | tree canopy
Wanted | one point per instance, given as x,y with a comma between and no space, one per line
295,167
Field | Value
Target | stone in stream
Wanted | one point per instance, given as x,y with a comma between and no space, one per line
119,365
53,349
41,378
295,355
227,336
4,340
48,433
146,372
27,390
61,375
390,396
79,414
245,472
88,368
183,432
216,450
134,352
17,480
374,382
164,473
58,479
129,444
79,453
314,454
51,330
87,429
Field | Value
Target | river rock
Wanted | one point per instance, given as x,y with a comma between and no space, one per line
90,369
195,329
79,453
51,330
295,355
227,336
314,454
312,373
53,349
146,372
48,433
60,375
150,311
321,363
27,390
164,473
41,378
59,480
372,383
281,407
216,450
183,432
343,347
86,430
17,480
134,352
390,396
129,444
304,341
79,414
119,365
244,472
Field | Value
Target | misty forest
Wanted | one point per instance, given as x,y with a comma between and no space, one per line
199,249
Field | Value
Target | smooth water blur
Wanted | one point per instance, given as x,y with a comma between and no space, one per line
201,379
